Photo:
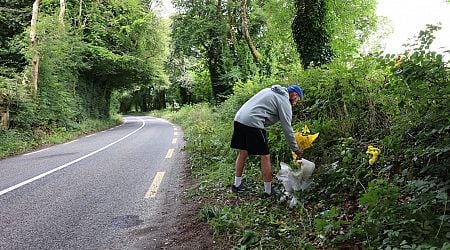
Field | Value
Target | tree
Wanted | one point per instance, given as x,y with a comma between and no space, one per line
35,57
15,16
274,38
127,47
200,31
62,4
310,34
350,24
324,29
245,32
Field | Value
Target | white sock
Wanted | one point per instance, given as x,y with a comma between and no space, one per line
237,181
268,187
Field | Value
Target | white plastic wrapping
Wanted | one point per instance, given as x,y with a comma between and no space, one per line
295,180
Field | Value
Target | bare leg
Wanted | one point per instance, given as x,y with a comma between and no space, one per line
240,162
266,168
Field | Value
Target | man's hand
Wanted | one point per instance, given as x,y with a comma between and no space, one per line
299,154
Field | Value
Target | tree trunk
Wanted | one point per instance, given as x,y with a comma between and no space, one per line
220,87
233,29
62,10
80,23
245,33
35,56
4,111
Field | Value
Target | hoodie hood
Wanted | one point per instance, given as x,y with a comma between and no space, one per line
280,90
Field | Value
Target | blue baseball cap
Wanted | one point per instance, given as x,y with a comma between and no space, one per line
296,89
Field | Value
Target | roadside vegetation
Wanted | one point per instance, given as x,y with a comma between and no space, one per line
17,141
70,71
399,202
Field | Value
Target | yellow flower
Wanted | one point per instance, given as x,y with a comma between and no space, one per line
305,130
398,61
373,152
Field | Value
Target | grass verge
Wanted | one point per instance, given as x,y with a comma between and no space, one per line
15,141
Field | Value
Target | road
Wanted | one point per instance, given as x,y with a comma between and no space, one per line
102,191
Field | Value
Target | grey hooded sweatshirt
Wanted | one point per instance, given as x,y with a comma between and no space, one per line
266,108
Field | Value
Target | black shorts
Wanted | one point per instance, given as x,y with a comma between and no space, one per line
254,140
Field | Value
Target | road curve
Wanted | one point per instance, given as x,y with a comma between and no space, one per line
95,192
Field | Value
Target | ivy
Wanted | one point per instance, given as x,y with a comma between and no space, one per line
309,32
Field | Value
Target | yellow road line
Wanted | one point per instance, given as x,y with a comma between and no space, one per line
169,153
151,192
174,140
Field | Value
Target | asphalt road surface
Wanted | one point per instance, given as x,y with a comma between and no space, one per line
101,191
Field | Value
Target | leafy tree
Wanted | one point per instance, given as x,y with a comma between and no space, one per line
243,51
86,52
349,25
276,44
126,47
324,29
200,31
187,90
15,16
310,34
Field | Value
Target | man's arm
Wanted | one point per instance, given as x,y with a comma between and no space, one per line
285,115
